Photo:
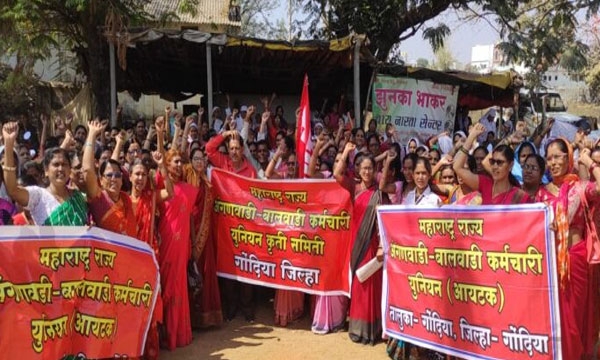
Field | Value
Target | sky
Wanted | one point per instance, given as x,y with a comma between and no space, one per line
464,35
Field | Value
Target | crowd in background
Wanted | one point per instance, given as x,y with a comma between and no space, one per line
147,180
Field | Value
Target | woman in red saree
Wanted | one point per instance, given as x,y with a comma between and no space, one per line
110,207
144,198
502,188
175,251
578,291
205,301
365,302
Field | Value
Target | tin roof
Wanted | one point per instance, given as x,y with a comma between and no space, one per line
208,12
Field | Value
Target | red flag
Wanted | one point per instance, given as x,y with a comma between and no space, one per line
304,144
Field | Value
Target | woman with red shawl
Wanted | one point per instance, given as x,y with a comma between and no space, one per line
578,292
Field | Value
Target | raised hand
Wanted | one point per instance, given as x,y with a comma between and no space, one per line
158,158
320,141
234,112
189,121
159,124
10,131
69,141
279,152
349,147
446,160
44,120
265,117
389,157
477,130
95,127
122,137
151,133
265,101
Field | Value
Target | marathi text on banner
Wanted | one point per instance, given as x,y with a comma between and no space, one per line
417,108
283,234
459,281
69,291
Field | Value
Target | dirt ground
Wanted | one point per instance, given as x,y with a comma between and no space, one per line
262,340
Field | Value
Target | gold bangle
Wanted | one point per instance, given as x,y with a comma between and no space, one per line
9,168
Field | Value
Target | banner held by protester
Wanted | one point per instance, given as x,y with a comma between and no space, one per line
284,234
74,291
460,281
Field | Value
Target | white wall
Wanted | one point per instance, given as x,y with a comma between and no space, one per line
151,106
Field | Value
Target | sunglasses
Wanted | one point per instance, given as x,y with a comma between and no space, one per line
498,162
291,163
115,175
136,151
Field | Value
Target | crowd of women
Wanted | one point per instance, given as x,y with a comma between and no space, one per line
152,183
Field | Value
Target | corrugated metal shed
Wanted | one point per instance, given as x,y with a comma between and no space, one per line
208,12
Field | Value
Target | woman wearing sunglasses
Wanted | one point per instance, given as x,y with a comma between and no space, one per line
111,208
502,188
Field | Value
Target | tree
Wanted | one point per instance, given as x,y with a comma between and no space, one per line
31,28
422,62
257,23
591,72
444,59
534,32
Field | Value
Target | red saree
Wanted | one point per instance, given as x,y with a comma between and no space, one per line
365,301
145,210
579,297
174,230
511,197
205,300
114,216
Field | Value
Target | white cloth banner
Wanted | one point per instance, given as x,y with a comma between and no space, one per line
417,108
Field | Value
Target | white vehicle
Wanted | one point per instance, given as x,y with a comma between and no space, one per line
531,108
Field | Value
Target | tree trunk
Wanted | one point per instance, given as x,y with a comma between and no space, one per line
99,73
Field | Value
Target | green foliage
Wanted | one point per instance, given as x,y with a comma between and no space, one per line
257,23
444,59
536,33
436,36
17,92
421,62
